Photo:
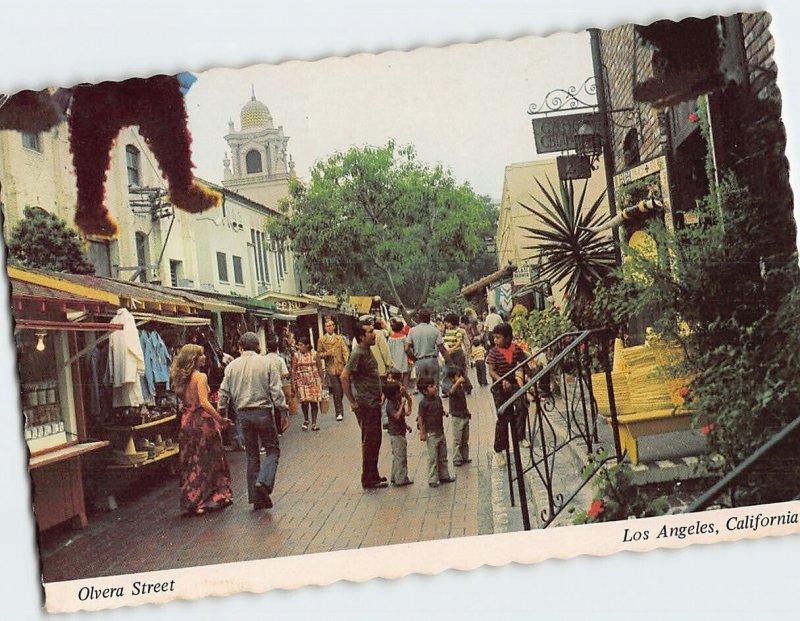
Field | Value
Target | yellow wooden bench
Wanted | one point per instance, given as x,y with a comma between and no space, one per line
647,403
651,423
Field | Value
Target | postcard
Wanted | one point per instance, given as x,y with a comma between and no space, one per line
400,312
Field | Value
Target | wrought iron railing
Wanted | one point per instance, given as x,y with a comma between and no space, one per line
529,415
727,482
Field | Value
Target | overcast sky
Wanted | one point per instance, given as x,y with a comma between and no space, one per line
464,106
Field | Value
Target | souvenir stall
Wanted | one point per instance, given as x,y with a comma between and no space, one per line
301,313
250,315
50,315
130,402
134,408
493,290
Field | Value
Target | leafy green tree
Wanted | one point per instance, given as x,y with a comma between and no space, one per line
376,220
44,241
570,252
446,296
485,262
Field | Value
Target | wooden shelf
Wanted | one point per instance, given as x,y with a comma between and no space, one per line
167,453
152,423
67,452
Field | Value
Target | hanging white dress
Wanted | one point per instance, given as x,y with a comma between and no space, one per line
126,361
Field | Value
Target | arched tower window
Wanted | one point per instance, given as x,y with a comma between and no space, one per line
253,162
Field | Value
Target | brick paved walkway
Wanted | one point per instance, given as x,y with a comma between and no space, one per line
319,507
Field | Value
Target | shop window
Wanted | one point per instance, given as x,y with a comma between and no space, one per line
132,161
253,162
238,275
222,266
46,391
32,142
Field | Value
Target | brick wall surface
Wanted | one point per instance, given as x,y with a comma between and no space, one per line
625,63
759,47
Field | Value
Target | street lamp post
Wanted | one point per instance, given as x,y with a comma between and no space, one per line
608,154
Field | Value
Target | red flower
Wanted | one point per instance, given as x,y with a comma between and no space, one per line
596,508
683,392
707,429
693,117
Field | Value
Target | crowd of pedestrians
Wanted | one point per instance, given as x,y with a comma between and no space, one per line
395,380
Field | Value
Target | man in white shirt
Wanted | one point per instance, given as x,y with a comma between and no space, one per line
424,343
490,323
253,386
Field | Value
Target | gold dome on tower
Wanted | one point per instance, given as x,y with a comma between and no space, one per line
255,115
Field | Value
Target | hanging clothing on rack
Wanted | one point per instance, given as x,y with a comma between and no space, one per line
161,358
215,367
126,361
156,362
148,379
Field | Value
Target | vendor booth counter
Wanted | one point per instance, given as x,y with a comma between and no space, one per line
76,437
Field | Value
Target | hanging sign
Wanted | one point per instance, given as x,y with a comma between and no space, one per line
553,134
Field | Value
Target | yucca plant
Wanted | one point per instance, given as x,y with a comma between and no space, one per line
569,251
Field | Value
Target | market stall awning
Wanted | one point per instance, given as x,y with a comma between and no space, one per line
321,301
69,326
142,318
361,303
135,296
500,275
254,306
202,300
297,302
43,291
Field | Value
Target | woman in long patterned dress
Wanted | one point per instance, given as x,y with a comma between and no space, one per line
205,478
307,380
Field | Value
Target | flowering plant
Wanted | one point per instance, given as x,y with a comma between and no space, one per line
618,498
595,509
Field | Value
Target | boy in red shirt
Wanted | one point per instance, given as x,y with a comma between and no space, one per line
503,357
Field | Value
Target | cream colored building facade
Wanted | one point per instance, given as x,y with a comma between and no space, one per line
519,186
238,258
222,250
36,171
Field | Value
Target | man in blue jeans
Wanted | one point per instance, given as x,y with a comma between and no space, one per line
254,389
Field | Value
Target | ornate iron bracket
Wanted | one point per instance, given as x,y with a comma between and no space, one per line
571,98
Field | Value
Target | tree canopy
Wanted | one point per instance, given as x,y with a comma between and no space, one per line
43,240
446,297
375,220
